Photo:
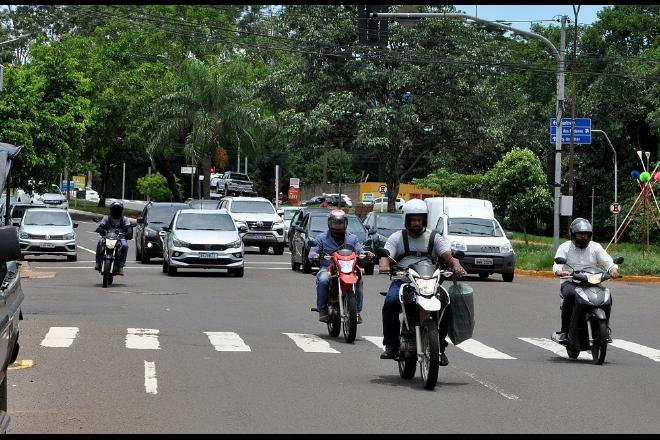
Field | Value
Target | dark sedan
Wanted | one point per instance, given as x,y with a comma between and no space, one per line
148,244
380,225
316,222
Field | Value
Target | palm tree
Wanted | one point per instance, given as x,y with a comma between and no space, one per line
211,107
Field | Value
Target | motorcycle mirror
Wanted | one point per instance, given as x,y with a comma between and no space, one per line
618,260
75,225
560,260
459,255
313,242
382,253
242,228
139,220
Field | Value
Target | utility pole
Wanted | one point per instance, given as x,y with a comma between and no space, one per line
558,55
571,152
277,186
123,181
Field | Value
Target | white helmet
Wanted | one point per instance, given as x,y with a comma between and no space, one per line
415,207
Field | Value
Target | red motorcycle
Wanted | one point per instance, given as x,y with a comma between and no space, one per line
344,274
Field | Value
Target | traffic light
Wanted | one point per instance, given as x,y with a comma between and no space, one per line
372,31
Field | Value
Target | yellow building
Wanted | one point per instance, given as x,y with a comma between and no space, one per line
372,190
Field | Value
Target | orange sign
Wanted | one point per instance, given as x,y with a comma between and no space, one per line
294,195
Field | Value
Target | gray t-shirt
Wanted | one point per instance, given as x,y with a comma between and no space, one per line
396,249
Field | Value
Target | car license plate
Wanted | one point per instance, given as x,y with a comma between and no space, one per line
258,236
208,255
47,245
484,261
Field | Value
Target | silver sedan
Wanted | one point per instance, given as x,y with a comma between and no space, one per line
47,231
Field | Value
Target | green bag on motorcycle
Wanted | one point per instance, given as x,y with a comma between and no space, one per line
461,324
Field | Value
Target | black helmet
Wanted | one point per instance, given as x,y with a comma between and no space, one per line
116,209
581,225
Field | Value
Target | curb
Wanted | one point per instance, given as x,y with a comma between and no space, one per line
549,274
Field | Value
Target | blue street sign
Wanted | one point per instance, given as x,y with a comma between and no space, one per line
581,134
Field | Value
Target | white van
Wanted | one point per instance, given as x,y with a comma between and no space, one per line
470,225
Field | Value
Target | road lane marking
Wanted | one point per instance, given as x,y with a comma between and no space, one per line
311,343
60,337
142,339
642,350
552,346
227,341
376,340
481,350
150,381
85,249
489,385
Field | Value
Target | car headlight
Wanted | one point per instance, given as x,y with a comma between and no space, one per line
506,248
148,232
278,225
179,243
234,244
69,236
24,235
459,246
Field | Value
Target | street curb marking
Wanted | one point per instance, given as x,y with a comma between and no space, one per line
19,365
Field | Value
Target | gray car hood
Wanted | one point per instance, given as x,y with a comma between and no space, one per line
206,237
50,230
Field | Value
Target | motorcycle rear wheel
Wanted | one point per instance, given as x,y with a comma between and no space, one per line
349,323
599,347
430,356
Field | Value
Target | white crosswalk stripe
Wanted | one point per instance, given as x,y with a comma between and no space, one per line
550,345
311,343
60,337
376,340
142,339
481,350
227,341
642,350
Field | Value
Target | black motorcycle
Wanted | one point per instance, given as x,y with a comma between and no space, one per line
589,327
111,249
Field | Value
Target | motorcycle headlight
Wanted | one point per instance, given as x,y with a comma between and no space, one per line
24,235
234,244
458,246
148,232
595,278
426,287
179,243
69,236
345,266
110,243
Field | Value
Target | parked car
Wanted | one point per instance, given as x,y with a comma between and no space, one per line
51,200
333,199
297,220
312,201
3,206
380,204
155,215
379,226
47,231
233,183
91,195
19,209
316,222
203,203
265,228
203,239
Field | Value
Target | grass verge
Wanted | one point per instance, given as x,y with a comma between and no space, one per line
87,206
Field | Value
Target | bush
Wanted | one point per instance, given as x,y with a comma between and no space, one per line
154,186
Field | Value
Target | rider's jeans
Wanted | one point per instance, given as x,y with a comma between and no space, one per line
322,282
123,256
567,295
392,326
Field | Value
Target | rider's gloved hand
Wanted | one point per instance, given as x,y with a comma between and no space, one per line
562,273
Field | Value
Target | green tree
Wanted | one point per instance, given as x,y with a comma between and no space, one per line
154,186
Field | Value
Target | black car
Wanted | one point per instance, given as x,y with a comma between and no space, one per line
203,203
155,215
298,218
380,225
316,222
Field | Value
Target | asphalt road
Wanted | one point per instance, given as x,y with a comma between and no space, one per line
205,352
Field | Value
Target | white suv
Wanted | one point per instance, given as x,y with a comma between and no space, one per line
265,228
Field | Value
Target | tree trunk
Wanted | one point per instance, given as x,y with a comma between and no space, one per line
393,179
206,172
105,176
162,168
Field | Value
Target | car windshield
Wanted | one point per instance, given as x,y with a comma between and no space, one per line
164,213
42,218
204,204
253,206
473,226
320,224
205,222
289,213
392,222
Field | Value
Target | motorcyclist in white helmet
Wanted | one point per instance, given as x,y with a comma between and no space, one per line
406,246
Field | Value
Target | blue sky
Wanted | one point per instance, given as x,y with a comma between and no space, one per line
511,13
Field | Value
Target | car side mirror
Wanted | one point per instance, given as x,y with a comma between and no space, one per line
165,229
509,235
140,220
75,225
560,260
17,224
242,228
313,242
10,249
382,253
459,255
280,212
162,233
618,260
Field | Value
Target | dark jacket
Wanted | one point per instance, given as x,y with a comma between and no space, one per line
111,224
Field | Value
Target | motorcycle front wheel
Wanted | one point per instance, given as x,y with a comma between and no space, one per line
430,355
334,324
599,333
105,271
349,320
408,365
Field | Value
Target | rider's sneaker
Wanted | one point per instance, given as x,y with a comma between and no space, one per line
389,353
120,271
324,317
97,267
443,360
609,335
560,337
359,319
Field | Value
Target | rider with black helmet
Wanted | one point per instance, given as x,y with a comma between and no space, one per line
580,252
115,220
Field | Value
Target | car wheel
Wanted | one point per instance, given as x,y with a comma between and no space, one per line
507,276
369,269
278,249
263,249
483,275
294,265
165,266
138,254
171,271
72,257
239,272
306,265
144,258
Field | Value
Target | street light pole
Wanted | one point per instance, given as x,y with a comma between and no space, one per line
559,58
616,173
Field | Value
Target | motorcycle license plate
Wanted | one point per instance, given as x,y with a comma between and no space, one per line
483,261
48,245
208,255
